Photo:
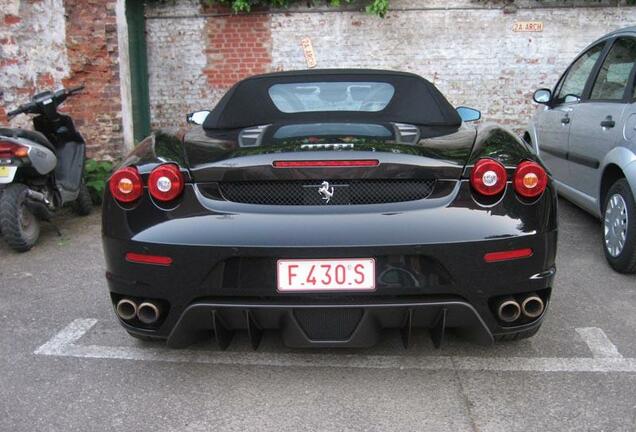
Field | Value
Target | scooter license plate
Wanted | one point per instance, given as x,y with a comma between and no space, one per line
7,173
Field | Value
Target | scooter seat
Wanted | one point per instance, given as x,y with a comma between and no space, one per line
34,136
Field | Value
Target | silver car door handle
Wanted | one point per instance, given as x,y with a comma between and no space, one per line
608,122
565,120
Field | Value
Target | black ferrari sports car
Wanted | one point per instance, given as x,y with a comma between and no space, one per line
329,205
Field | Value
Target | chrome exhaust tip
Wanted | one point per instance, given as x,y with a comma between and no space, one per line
148,313
126,309
508,310
532,306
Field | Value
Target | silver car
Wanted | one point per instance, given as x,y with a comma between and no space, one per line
586,135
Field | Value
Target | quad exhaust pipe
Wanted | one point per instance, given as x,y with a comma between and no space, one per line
510,310
532,306
126,309
146,312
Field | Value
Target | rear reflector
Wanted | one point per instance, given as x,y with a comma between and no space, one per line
507,255
326,163
148,259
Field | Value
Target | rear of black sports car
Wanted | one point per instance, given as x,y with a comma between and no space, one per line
329,205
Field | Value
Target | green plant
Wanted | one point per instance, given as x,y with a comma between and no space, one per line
376,7
95,175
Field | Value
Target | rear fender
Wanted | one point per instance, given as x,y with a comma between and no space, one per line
625,159
531,131
164,146
502,144
42,159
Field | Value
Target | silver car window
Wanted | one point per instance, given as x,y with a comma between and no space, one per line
577,75
613,76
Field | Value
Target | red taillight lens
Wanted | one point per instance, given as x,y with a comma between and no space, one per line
530,179
165,182
125,185
9,150
488,177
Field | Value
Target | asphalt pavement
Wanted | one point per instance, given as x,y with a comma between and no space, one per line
66,365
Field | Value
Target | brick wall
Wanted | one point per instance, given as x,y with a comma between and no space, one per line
467,49
194,58
32,51
46,44
91,42
237,47
176,60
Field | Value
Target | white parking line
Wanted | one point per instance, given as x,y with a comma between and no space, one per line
598,342
64,344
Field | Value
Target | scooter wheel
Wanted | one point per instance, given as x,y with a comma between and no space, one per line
20,227
83,205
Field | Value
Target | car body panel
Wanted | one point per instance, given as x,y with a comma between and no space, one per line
555,130
589,143
429,252
582,153
625,159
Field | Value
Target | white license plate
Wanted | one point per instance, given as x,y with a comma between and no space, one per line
7,173
356,274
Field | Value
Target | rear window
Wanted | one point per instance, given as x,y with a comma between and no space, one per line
331,96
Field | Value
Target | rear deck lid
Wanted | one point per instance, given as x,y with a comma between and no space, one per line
363,150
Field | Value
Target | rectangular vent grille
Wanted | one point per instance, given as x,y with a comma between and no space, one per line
330,192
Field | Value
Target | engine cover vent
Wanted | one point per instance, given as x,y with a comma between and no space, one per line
252,137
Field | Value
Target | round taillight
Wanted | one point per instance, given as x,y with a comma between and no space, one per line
530,179
165,182
125,185
488,177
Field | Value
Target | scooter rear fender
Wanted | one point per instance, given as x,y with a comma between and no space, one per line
42,159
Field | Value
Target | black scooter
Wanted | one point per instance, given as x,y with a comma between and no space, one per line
40,170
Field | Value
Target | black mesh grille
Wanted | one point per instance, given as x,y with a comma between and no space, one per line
345,192
328,324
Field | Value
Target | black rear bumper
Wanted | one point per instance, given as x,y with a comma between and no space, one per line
355,325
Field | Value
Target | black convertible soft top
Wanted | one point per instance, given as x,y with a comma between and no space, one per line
415,101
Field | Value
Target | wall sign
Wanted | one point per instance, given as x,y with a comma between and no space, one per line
308,50
528,26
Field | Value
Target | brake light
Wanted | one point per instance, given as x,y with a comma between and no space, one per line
10,150
530,179
327,163
125,185
165,182
488,177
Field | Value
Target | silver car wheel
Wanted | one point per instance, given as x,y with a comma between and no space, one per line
615,222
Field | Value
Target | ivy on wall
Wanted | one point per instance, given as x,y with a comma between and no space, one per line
375,7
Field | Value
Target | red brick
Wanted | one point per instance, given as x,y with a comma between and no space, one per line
45,81
12,19
233,39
